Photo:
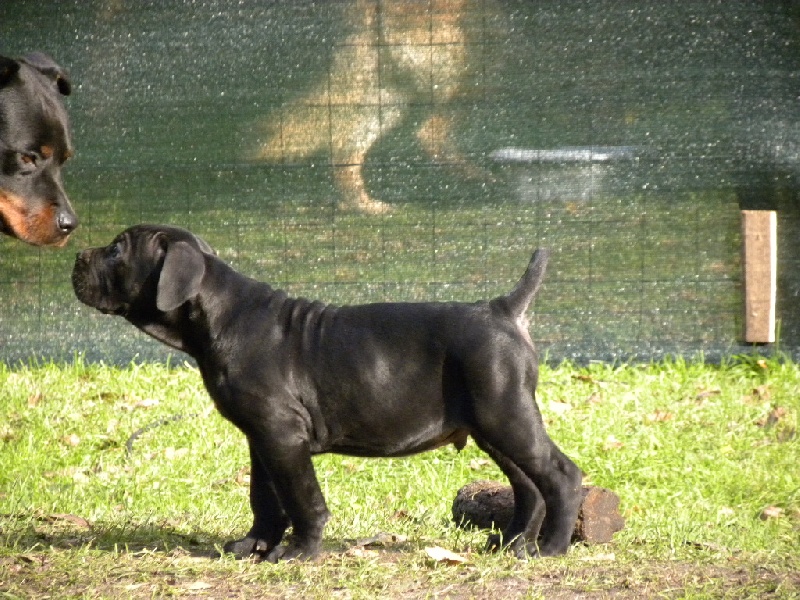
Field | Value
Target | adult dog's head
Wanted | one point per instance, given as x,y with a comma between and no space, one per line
145,273
34,144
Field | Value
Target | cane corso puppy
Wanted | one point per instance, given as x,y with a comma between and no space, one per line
300,378
34,144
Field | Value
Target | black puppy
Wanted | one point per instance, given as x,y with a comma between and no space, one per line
34,144
301,378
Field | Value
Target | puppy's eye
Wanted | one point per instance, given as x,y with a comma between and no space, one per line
114,252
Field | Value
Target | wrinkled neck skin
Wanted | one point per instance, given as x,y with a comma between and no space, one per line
188,328
204,326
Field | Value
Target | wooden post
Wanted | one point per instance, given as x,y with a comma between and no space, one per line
760,259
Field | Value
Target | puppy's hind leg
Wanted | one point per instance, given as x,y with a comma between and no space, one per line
558,481
520,534
560,485
546,484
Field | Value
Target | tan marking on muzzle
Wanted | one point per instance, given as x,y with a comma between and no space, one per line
34,227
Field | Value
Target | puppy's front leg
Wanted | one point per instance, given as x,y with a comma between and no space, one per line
269,518
286,456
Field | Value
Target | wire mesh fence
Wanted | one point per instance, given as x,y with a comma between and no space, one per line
366,150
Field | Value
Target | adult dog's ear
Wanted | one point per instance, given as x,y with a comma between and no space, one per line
48,67
181,274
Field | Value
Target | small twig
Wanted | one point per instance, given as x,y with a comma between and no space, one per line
142,430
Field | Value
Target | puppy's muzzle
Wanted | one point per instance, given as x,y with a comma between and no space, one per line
86,284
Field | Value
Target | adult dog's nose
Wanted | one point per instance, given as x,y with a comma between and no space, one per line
67,222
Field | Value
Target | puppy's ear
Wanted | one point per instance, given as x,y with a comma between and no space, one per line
8,68
181,274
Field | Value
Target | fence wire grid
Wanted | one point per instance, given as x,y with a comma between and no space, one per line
366,150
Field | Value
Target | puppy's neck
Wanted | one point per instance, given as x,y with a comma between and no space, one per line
195,325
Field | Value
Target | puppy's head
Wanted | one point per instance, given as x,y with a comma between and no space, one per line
34,144
147,271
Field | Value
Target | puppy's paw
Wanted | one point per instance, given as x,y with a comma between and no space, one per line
293,551
494,543
517,546
247,547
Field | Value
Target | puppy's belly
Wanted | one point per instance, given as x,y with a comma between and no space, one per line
398,446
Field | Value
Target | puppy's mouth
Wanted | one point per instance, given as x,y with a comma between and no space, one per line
91,292
120,311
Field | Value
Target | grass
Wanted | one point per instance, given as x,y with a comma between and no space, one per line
703,457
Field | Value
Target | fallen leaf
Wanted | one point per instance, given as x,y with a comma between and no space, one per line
559,408
74,519
197,585
762,392
361,552
71,440
774,416
146,403
708,393
660,416
612,443
381,540
610,557
478,463
771,512
442,555
243,476
34,399
172,453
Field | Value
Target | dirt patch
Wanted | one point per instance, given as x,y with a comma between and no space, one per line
45,575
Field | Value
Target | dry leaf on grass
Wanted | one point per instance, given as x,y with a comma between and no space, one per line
612,443
71,440
196,586
771,512
74,519
774,416
381,539
441,555
146,403
559,408
708,393
660,416
610,557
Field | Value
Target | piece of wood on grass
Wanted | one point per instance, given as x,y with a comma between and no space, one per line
759,262
490,505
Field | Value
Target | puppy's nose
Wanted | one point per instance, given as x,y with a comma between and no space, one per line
66,222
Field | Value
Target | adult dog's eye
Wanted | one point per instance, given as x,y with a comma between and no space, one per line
27,163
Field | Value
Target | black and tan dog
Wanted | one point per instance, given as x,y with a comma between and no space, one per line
301,378
34,144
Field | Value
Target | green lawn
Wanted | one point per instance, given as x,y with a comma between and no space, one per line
703,457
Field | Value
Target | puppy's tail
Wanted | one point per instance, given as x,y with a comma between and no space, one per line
516,302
